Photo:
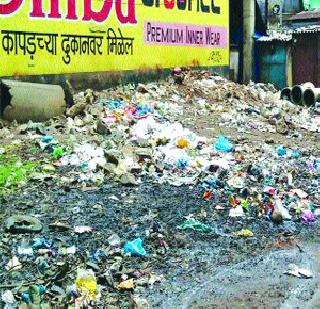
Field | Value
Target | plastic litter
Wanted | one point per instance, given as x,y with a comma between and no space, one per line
210,183
41,243
300,193
126,285
308,216
112,104
283,212
25,296
114,241
295,154
43,266
8,300
281,151
135,247
195,225
80,229
86,283
269,190
245,204
69,250
182,163
223,144
183,143
296,271
236,212
58,152
243,233
89,159
48,252
14,264
33,295
47,139
25,251
207,195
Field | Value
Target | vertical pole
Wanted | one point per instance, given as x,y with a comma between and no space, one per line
248,33
266,11
317,37
281,15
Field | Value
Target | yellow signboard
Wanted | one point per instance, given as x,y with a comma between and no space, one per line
68,36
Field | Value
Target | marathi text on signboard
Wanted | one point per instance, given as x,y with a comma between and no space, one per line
67,36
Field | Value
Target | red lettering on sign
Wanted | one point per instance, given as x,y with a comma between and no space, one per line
54,9
100,16
131,17
37,9
169,4
10,7
72,10
88,13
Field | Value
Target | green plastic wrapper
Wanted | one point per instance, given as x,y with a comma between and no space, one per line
194,225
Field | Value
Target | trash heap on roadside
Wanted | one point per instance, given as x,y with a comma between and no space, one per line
140,134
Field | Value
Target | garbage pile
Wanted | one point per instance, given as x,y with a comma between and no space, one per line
141,133
135,134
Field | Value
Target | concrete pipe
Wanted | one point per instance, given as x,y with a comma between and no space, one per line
286,94
311,96
297,92
28,101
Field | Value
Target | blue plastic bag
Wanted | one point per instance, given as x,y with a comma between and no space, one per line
47,139
295,154
25,296
182,163
33,294
223,144
41,243
209,184
114,104
143,110
281,151
135,247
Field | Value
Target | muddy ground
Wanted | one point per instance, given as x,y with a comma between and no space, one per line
215,271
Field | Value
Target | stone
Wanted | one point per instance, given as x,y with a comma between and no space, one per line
113,156
270,98
269,140
142,88
281,128
23,129
128,179
89,96
144,152
78,122
110,168
102,128
76,109
277,217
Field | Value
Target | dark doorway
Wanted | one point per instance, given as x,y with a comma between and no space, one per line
306,59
